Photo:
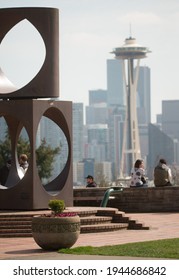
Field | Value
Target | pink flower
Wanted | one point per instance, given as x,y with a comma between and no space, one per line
63,214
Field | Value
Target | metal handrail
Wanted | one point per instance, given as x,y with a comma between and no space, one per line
107,195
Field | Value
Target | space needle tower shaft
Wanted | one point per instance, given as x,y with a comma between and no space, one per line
129,53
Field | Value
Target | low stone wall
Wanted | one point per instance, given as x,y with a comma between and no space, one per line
133,200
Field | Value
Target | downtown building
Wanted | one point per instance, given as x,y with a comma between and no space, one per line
164,137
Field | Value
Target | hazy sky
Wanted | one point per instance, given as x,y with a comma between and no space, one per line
89,30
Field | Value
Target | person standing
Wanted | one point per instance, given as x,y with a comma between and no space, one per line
23,162
23,165
138,174
162,174
90,182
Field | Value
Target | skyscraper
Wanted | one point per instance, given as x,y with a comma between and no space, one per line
143,108
97,96
115,83
97,146
170,118
160,146
78,132
96,112
143,96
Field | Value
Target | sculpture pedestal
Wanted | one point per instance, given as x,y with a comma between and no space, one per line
29,193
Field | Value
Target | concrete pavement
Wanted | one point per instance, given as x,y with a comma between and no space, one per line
162,226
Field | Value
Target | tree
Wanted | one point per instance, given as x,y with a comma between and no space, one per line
45,156
5,149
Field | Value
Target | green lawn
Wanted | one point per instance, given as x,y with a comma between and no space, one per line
167,248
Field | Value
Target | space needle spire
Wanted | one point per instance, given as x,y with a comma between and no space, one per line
129,53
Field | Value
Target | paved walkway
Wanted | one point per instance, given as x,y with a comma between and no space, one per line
162,226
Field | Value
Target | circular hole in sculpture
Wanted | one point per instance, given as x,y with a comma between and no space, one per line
22,54
51,151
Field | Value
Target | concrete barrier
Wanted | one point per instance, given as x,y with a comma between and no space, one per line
133,200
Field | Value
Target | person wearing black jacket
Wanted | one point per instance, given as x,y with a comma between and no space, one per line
90,182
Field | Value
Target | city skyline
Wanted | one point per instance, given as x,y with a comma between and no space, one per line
91,29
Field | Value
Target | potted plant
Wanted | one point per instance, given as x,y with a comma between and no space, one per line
59,229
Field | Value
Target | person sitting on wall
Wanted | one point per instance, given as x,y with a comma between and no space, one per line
162,174
138,174
90,182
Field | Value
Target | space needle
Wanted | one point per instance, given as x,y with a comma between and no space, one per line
129,52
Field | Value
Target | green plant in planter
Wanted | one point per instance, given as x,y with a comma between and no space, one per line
57,206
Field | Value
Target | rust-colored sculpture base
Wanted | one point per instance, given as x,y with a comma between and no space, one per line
28,193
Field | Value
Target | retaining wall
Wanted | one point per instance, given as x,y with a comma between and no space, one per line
133,200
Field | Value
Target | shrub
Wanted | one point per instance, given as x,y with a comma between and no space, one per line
57,206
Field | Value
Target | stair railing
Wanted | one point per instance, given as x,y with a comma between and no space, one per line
107,195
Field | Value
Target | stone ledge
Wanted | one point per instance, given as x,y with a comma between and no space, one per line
151,199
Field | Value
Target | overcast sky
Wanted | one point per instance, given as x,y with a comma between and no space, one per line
89,30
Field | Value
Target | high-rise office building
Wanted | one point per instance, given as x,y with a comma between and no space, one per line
97,145
97,96
170,123
78,128
144,96
115,83
164,136
115,124
116,111
89,167
160,146
170,118
96,112
143,108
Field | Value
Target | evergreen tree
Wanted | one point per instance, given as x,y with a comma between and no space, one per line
45,156
5,150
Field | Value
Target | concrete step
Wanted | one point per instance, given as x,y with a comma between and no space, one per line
91,220
14,234
9,226
102,227
14,222
119,217
15,218
15,230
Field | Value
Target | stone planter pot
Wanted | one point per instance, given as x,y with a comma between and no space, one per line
53,233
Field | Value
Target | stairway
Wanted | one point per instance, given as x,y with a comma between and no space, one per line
15,225
92,220
100,224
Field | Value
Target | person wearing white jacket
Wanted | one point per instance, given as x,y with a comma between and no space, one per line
138,174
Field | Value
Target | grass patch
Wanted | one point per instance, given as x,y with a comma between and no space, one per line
166,248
